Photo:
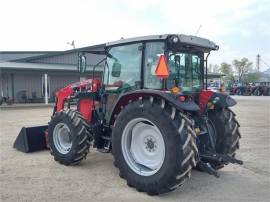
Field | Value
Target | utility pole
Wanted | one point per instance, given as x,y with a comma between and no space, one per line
258,60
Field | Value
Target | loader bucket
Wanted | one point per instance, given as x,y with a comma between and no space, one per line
32,139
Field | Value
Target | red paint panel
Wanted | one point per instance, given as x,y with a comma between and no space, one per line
204,97
86,107
64,94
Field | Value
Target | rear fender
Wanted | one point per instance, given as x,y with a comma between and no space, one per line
126,98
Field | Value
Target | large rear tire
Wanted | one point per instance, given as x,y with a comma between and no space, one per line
154,146
227,133
69,139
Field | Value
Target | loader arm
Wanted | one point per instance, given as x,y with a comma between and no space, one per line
86,91
62,96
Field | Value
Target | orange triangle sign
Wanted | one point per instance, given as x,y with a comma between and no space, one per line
162,70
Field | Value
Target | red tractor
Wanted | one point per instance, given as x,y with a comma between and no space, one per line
152,111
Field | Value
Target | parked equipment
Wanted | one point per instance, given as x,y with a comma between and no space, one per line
6,100
257,89
152,111
261,89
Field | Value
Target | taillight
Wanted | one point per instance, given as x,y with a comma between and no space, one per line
182,98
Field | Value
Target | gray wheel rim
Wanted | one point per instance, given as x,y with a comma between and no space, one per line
143,147
62,138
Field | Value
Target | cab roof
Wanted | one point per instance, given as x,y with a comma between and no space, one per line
183,39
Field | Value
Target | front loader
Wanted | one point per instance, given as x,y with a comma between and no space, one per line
151,110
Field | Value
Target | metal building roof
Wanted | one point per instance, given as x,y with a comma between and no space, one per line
58,53
39,66
36,66
16,55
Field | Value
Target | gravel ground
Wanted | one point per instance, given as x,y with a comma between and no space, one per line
37,177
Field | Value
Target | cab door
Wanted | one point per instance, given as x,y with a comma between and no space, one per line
123,73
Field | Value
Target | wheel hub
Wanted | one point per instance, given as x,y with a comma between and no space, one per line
151,144
62,138
143,146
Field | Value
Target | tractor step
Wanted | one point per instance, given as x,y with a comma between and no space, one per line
107,145
220,158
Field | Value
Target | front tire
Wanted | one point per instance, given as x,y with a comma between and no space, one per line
69,139
148,128
227,133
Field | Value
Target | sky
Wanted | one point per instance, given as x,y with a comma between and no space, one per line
240,27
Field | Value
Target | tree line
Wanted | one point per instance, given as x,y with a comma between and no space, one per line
239,71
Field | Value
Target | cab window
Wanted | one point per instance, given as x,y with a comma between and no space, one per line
153,50
124,67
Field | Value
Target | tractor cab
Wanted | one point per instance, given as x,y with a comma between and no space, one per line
134,63
167,63
158,63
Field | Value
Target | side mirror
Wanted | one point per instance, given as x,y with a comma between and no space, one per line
116,69
81,64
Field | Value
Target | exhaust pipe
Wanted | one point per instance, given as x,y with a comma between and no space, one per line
32,139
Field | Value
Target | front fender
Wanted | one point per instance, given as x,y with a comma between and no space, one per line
220,100
124,100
